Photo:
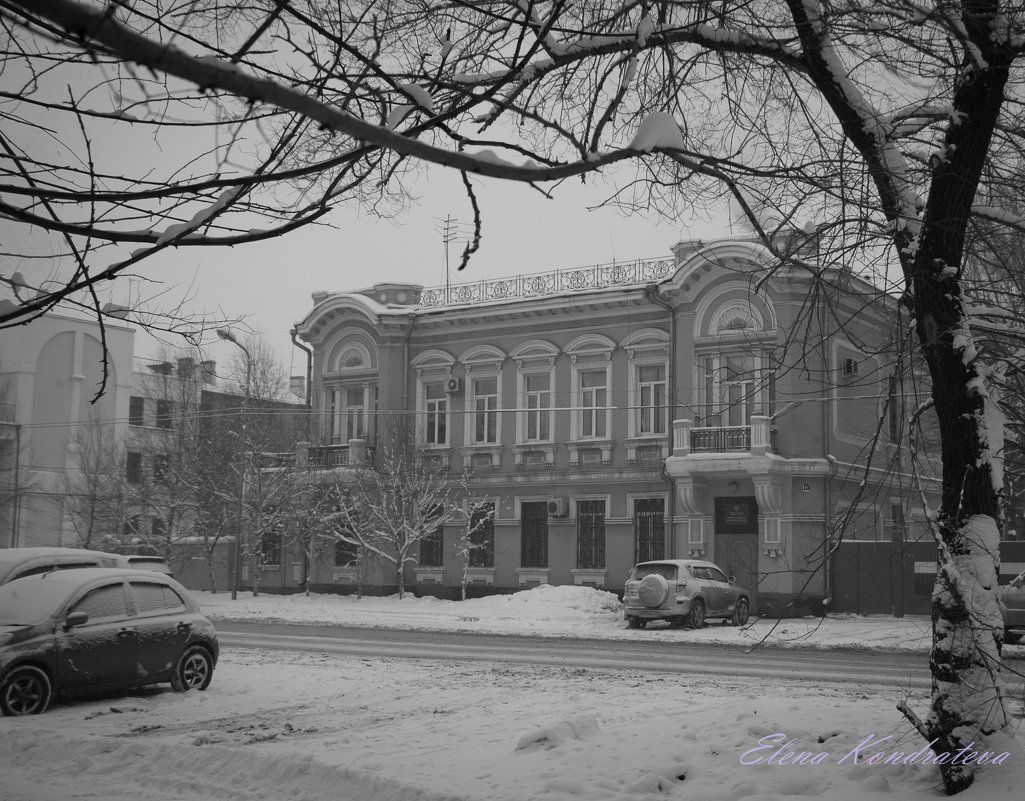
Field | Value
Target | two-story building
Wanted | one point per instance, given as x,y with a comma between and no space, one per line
709,404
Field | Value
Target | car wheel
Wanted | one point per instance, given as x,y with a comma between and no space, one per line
740,612
632,622
25,691
696,618
194,670
1011,637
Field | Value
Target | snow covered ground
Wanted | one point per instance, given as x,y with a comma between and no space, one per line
305,727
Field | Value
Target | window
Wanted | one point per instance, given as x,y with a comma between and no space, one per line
534,534
104,603
270,547
731,390
593,399
158,528
482,536
161,468
651,399
591,534
715,574
153,598
130,528
355,413
164,413
485,410
133,467
894,411
270,539
539,404
432,548
136,411
649,529
436,404
346,553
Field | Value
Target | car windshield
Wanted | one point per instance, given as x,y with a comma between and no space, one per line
665,571
30,600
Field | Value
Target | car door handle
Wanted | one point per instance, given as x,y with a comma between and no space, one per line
183,626
125,632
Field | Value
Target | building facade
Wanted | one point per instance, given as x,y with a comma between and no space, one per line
703,405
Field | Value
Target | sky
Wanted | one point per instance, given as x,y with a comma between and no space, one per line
312,726
270,283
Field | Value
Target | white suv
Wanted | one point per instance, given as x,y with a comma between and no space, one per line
684,592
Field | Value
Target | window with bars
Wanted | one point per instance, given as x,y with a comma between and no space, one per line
485,410
436,405
482,536
593,399
649,529
590,534
432,548
651,399
534,534
538,403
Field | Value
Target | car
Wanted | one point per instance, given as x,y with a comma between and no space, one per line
684,592
19,562
146,562
1012,607
99,629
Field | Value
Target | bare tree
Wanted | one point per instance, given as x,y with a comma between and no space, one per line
389,507
94,491
875,122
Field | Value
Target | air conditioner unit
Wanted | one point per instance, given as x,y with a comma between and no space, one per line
454,386
558,507
850,367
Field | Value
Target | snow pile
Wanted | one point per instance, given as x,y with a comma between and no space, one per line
564,611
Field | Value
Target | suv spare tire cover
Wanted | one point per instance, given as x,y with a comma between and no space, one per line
653,591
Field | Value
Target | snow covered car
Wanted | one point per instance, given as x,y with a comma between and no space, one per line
99,629
1012,606
18,562
684,592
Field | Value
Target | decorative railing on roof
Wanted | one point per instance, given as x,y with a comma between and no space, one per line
552,282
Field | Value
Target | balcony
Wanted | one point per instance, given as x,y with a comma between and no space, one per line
317,457
757,438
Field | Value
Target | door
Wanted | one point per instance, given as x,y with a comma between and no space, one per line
162,631
736,541
102,650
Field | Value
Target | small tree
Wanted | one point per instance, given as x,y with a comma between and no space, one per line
390,507
94,491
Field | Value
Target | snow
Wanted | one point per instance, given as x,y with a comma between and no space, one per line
658,129
310,726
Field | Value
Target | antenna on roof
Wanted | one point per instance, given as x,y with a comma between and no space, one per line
450,231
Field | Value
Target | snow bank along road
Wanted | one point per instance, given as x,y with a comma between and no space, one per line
845,666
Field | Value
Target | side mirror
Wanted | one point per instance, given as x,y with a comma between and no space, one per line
1019,582
75,619
732,580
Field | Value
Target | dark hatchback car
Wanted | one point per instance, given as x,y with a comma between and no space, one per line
99,629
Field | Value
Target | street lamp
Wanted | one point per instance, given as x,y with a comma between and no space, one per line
224,333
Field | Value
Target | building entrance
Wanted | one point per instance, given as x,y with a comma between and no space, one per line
736,541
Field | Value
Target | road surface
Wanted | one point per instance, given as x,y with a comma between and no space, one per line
891,669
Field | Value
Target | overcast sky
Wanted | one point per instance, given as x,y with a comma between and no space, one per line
270,283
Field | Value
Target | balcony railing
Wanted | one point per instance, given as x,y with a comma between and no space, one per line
756,439
553,282
317,457
728,439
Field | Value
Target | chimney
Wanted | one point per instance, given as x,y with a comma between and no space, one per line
297,386
186,366
209,371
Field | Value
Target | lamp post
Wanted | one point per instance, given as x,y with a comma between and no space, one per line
224,333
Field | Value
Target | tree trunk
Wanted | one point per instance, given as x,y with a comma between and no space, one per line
967,688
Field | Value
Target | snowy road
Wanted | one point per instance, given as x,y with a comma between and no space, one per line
848,666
